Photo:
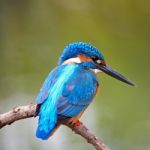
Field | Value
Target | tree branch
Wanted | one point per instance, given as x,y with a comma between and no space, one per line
28,111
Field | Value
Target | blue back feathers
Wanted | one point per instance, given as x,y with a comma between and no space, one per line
76,48
50,93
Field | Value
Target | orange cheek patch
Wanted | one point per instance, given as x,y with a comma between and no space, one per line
84,58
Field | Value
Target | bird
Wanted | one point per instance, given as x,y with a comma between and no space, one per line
71,87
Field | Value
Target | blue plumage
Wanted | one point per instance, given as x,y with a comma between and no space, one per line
68,89
75,48
63,94
53,90
77,92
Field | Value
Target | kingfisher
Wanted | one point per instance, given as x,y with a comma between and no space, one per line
70,87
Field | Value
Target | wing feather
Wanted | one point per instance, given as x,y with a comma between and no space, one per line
77,93
48,84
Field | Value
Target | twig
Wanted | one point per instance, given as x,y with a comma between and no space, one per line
28,111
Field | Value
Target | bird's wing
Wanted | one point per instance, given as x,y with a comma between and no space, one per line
48,99
48,84
77,93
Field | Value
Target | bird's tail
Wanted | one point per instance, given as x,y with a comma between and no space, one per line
53,131
47,121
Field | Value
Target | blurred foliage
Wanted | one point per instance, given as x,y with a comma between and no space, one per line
33,34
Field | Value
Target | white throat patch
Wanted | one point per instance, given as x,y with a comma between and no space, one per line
96,71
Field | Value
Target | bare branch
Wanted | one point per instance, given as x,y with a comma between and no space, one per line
28,111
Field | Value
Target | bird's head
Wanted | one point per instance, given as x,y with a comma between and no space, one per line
90,57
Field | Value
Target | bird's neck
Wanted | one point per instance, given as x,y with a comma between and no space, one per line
86,64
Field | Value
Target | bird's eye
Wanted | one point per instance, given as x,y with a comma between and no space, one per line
98,61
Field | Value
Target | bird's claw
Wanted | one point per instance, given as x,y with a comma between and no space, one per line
77,123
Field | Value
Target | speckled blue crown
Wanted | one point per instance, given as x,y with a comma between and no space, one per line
75,48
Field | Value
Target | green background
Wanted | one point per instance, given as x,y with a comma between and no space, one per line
32,36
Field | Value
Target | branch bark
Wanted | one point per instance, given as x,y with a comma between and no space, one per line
28,111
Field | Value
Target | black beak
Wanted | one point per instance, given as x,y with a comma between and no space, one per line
114,74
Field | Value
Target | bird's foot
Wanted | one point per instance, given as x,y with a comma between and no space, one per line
77,123
74,121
